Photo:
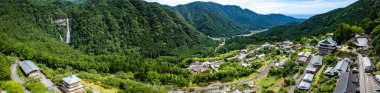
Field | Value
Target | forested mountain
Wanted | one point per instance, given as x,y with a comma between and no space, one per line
354,14
108,36
226,20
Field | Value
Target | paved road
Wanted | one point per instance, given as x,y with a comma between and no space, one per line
216,86
48,83
16,78
367,82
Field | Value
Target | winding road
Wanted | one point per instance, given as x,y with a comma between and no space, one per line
216,86
16,78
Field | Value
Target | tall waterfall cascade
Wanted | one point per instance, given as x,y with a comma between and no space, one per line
67,40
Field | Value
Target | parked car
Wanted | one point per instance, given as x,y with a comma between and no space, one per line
377,77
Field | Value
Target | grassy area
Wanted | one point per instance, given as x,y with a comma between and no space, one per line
317,76
253,75
278,84
219,57
266,81
99,88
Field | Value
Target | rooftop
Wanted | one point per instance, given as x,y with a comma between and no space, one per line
304,85
317,60
308,77
71,79
328,41
366,61
346,83
27,66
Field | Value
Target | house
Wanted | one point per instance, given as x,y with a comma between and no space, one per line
340,67
367,64
244,51
266,45
29,68
308,77
280,63
286,43
304,54
347,83
317,61
304,85
261,56
72,84
349,60
311,69
329,71
363,42
298,46
302,60
327,46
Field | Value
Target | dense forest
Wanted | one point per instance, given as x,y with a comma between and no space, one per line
356,14
107,37
227,20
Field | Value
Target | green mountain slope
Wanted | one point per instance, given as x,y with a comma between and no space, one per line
226,20
107,37
353,14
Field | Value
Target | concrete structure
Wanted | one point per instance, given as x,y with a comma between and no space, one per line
347,83
368,67
72,84
327,46
29,68
317,61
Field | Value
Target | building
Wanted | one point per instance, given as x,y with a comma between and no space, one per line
302,60
29,68
329,71
72,84
304,54
304,85
311,69
363,42
340,67
317,61
367,64
327,46
347,83
308,77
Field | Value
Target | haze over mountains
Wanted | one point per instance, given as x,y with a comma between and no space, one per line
227,20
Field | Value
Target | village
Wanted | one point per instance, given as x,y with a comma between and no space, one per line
324,66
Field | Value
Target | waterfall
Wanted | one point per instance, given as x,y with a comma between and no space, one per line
67,41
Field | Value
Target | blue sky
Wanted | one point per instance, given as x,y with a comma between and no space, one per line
296,8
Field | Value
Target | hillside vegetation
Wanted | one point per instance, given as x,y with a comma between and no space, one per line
227,20
107,37
358,13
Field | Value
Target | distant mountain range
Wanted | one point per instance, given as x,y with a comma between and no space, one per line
225,20
363,13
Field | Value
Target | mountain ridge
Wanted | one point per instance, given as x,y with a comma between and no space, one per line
214,19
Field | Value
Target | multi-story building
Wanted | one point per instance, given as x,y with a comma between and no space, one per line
327,46
72,84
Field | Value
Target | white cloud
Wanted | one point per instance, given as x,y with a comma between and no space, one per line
289,7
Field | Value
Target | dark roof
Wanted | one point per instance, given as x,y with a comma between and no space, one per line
329,41
347,83
317,60
27,66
